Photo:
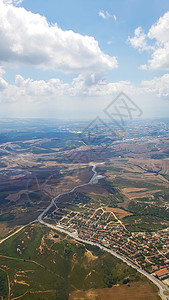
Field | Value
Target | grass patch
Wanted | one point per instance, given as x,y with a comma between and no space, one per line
46,261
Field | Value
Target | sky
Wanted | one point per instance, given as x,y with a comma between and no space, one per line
70,59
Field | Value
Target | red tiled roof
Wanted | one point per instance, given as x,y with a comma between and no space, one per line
162,272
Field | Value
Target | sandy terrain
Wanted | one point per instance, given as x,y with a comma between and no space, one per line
138,290
119,212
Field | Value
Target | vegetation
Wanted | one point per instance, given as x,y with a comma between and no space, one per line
142,209
38,259
144,223
112,190
3,285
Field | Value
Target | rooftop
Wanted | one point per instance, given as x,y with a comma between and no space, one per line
162,272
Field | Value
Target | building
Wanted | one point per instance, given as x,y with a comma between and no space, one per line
162,273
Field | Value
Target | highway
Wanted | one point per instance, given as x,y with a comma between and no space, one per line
162,287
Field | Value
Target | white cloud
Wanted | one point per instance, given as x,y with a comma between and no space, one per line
28,38
157,40
14,2
95,85
160,32
42,88
40,98
139,41
158,85
106,15
3,83
143,67
89,85
59,97
115,18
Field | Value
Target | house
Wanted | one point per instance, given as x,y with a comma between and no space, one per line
162,273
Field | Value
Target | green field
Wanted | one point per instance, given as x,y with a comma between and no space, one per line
43,264
145,223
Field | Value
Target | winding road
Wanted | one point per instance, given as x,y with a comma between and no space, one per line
162,287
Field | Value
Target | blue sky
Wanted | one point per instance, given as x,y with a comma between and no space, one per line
74,61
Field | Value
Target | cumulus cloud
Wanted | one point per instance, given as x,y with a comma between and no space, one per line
88,85
95,85
41,87
158,85
83,85
157,41
139,41
27,38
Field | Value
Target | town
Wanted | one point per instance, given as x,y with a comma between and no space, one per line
147,250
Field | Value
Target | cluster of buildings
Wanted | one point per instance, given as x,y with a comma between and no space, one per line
148,250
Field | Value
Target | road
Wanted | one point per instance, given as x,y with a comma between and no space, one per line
162,287
15,232
3,240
